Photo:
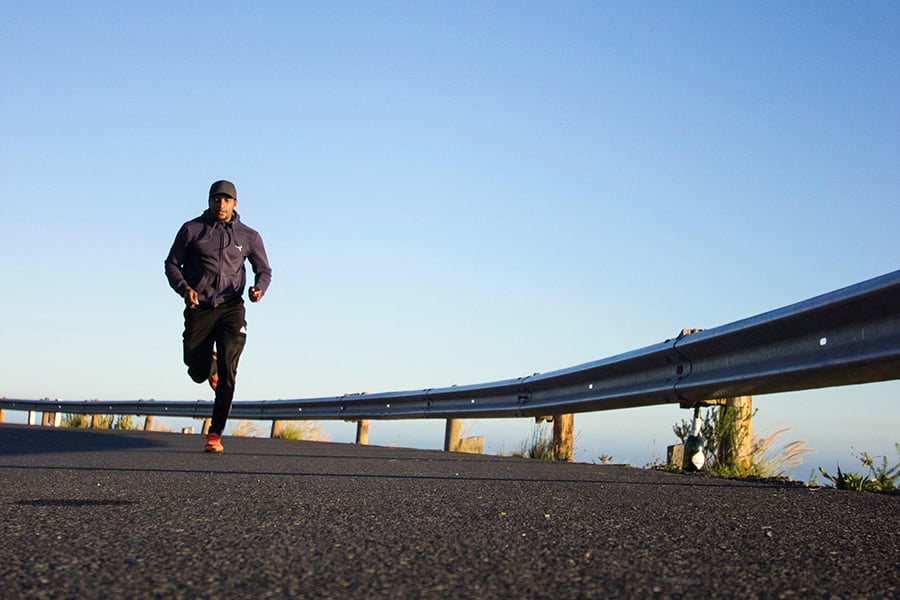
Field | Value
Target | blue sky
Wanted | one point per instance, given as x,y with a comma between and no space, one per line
450,193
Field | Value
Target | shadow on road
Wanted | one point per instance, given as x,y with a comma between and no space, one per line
21,439
305,459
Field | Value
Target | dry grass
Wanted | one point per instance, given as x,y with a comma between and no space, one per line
303,430
289,430
247,429
769,461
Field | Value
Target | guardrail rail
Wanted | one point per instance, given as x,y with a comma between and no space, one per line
848,336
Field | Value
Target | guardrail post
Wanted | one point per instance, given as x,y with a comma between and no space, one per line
362,432
206,424
739,447
564,437
276,428
45,419
95,421
2,414
148,423
451,435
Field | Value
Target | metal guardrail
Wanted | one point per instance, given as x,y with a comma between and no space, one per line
848,336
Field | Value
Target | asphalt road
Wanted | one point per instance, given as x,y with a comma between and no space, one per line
106,514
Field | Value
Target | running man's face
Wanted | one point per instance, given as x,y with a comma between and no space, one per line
222,207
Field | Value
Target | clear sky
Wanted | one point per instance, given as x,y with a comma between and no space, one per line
449,192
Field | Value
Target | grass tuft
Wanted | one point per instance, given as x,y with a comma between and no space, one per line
881,477
303,430
540,445
721,431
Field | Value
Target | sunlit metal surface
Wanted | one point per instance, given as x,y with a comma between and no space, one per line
849,336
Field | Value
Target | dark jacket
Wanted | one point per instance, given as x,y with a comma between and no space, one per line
209,257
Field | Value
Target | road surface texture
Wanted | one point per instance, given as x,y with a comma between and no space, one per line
113,514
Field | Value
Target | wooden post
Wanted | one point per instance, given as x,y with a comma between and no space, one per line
2,414
45,419
206,424
148,423
739,448
95,421
564,437
276,428
451,435
362,432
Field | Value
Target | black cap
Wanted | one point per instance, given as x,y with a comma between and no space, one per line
223,187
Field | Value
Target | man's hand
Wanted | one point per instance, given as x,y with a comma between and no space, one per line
255,294
191,299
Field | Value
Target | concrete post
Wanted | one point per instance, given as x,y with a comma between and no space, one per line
471,445
451,435
362,432
675,456
564,437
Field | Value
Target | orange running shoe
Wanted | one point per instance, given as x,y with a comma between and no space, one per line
213,443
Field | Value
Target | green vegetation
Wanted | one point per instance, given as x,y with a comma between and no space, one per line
539,445
880,478
124,422
302,430
288,430
75,421
722,433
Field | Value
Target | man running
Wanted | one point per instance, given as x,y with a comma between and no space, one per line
205,266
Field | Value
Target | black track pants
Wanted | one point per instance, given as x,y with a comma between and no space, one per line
226,327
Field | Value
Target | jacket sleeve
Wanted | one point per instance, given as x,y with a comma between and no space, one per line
260,263
175,260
